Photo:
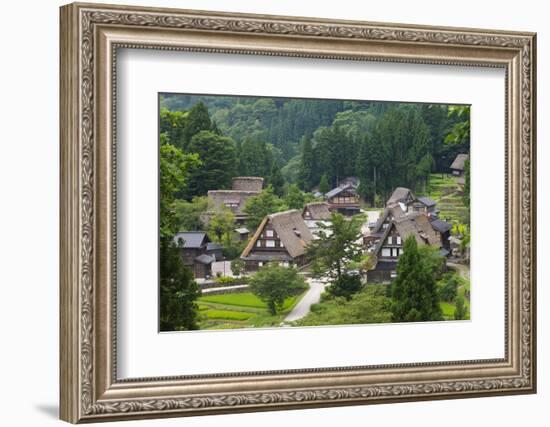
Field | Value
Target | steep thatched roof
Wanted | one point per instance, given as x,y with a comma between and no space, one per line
420,227
248,183
317,210
393,212
291,229
458,163
217,199
415,224
400,194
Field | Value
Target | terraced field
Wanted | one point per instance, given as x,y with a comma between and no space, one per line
444,189
240,310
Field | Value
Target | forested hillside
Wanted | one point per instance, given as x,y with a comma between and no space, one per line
310,142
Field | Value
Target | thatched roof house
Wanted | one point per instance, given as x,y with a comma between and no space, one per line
315,214
457,167
232,199
390,244
316,211
243,188
248,183
400,195
281,237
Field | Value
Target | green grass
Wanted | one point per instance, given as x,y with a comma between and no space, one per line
240,310
448,310
228,314
245,299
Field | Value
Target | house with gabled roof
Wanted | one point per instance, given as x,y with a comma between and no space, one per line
424,205
401,195
457,167
389,246
344,200
194,252
247,183
281,237
376,232
242,189
315,214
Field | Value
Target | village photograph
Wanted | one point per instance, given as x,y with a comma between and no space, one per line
292,212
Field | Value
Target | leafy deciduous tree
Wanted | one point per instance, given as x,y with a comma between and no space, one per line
337,246
263,204
273,284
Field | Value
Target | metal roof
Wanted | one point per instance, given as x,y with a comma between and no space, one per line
440,225
427,201
190,239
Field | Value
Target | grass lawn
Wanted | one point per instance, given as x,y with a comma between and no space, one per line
240,310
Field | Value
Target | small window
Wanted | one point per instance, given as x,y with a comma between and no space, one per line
260,264
281,244
398,240
390,240
286,264
270,243
386,252
259,243
393,274
269,233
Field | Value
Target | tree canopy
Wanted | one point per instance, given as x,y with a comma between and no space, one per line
414,291
337,246
265,203
273,284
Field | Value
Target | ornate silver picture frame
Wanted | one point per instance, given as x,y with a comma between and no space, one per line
91,391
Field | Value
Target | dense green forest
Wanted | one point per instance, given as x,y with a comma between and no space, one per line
312,142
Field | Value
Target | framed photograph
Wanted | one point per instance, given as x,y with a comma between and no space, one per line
266,213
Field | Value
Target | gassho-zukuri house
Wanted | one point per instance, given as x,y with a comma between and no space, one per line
281,237
457,167
243,187
315,213
404,215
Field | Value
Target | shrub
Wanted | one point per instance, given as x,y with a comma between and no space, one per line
346,286
448,291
